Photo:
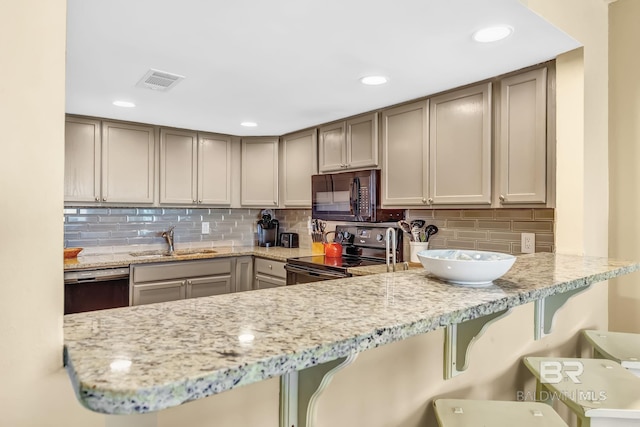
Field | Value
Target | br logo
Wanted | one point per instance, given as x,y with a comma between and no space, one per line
553,372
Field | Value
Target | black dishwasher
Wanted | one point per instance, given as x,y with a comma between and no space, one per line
89,290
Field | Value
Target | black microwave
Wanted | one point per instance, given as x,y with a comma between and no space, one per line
350,196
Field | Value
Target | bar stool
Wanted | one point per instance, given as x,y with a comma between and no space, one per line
620,347
494,413
599,391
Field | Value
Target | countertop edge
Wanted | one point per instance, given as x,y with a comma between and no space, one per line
175,393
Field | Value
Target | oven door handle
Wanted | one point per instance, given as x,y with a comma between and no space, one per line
313,272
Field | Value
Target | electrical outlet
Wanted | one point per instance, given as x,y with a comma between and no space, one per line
205,228
528,243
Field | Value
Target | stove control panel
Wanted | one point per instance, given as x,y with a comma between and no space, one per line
362,236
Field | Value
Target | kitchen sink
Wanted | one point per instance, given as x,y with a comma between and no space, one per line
178,253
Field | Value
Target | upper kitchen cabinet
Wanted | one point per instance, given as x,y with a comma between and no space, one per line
82,160
460,147
521,142
405,154
195,168
259,175
297,163
350,144
108,162
128,159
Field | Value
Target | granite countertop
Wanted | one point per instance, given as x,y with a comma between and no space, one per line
151,357
124,259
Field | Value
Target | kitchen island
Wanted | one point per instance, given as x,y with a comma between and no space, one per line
148,358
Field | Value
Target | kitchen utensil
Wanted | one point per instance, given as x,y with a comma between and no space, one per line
430,231
404,226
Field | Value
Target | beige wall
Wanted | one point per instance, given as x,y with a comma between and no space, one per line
624,145
34,391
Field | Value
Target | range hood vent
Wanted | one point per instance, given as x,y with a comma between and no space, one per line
159,80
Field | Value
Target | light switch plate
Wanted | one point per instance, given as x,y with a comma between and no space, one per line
205,228
528,243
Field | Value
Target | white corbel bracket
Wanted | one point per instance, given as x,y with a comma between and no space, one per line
300,390
546,308
458,339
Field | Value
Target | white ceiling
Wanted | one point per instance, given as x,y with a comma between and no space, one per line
286,64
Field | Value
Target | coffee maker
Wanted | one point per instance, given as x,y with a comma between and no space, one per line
268,230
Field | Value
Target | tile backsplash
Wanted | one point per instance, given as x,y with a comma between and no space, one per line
103,230
100,230
496,230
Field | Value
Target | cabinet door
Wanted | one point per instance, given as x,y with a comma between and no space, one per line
299,162
332,147
149,293
178,160
362,142
405,151
207,286
244,274
82,160
259,172
522,141
128,154
460,147
214,169
264,282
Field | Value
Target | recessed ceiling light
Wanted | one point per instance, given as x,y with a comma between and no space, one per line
249,124
125,104
373,80
492,34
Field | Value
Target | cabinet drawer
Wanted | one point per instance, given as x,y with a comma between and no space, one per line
264,282
180,270
270,267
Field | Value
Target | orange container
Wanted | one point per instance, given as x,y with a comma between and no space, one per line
333,250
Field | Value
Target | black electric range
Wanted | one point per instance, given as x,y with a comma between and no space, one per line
361,246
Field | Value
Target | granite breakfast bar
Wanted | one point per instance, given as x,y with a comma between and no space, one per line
148,358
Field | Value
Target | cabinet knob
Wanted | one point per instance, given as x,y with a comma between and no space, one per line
501,198
270,267
424,201
429,200
195,201
275,203
200,201
97,199
104,199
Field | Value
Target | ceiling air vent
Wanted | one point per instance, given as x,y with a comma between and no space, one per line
159,80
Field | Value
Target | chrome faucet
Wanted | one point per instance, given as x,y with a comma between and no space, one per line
391,243
168,235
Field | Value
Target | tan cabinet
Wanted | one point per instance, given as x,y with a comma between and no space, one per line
269,273
298,162
170,281
82,160
244,273
350,144
405,154
259,175
460,147
109,162
195,168
521,143
128,159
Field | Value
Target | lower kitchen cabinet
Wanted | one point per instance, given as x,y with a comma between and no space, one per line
170,281
269,274
244,273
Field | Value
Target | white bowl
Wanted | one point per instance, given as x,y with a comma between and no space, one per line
471,268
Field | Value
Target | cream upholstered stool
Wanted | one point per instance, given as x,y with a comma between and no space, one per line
599,391
494,413
621,347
